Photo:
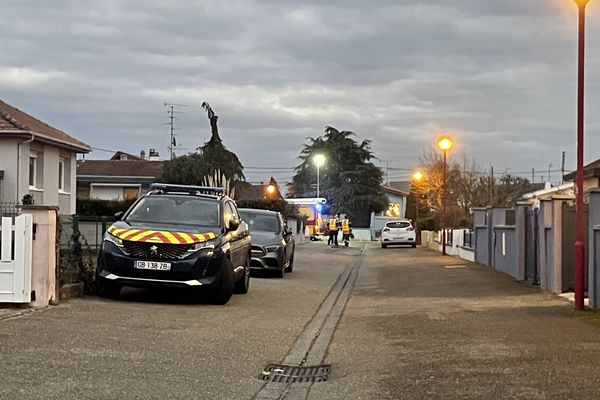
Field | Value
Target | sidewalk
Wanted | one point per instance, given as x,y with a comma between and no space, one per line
11,311
423,326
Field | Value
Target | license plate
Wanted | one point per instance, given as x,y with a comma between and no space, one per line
160,266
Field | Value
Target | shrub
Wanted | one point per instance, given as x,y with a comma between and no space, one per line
98,207
286,209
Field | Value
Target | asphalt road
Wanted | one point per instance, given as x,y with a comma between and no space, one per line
163,345
411,329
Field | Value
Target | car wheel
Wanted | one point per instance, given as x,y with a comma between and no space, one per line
383,246
414,245
243,285
290,267
106,289
225,289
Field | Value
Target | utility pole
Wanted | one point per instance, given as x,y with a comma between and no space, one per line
532,175
549,166
172,111
562,168
492,186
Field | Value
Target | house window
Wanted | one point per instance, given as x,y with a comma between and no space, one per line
61,175
33,170
393,210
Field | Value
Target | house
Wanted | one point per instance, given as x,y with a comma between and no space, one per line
591,176
397,194
36,159
123,176
249,191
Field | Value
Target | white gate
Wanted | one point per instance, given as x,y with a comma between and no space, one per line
15,259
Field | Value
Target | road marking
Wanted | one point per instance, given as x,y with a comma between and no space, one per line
455,266
311,346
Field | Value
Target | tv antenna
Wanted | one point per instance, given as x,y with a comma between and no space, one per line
172,110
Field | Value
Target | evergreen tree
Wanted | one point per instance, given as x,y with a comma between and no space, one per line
212,157
349,180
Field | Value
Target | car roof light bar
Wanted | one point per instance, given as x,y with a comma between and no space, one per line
193,190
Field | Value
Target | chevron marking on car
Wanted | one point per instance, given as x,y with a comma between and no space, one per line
167,237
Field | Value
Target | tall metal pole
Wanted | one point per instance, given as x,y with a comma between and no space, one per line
318,180
579,245
444,206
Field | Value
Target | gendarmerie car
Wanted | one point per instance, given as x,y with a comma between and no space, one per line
273,243
179,236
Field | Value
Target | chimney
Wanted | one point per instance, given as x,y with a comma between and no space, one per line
547,185
143,154
153,155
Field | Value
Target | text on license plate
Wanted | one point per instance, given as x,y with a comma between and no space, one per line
161,266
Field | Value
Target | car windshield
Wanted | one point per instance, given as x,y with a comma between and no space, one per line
396,225
176,210
261,222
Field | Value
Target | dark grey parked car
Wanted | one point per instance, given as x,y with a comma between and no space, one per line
272,241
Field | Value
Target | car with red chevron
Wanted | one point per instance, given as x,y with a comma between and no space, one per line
177,236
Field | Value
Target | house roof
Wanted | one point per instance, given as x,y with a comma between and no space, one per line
391,190
590,170
403,186
120,154
14,121
249,191
119,168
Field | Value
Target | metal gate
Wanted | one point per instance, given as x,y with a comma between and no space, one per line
531,246
568,245
15,259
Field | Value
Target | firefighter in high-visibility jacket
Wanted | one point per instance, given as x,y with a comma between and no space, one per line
346,230
333,230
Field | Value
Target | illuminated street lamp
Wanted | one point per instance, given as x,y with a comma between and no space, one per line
444,143
271,190
418,176
318,160
579,246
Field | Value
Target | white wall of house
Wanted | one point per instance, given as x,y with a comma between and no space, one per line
14,161
45,188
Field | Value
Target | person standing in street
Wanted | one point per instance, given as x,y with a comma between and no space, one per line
346,230
333,230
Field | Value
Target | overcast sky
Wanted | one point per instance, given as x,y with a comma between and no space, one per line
499,74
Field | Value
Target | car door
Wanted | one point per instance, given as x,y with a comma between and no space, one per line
240,244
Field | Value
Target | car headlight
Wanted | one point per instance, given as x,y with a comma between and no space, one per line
275,247
209,245
113,239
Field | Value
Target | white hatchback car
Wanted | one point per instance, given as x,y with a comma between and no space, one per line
398,232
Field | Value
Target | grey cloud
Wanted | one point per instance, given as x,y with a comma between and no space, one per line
500,75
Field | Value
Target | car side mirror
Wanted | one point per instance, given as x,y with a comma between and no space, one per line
119,215
233,224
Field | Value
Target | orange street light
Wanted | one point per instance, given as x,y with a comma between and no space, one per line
418,176
444,143
271,189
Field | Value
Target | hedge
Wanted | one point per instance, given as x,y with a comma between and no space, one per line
286,209
98,207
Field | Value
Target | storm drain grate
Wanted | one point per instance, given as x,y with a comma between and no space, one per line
294,374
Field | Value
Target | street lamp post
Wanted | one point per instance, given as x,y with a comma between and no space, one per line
418,177
445,144
318,159
579,245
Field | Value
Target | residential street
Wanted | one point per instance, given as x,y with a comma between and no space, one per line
416,326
